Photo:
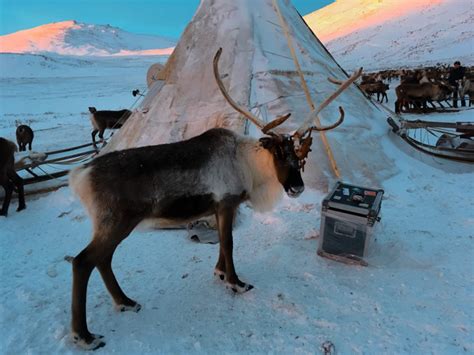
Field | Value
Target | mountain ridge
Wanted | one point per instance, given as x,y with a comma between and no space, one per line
421,33
80,39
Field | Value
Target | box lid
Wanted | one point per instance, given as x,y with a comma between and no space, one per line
354,199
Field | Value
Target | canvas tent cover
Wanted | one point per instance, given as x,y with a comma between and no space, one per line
259,72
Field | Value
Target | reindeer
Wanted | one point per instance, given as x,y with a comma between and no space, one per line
211,174
9,179
383,92
377,87
24,136
467,88
420,94
106,119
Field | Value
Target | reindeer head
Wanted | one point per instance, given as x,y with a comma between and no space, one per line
287,163
289,150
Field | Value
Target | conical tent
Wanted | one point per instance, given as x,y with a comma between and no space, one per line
259,71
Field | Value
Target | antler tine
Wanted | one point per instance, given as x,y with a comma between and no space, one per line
327,128
335,81
306,125
255,120
265,127
276,122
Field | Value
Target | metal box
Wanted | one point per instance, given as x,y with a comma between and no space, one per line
349,214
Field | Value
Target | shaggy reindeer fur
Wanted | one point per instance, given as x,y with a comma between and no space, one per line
211,174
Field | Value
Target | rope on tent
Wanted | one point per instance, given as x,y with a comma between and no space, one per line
305,88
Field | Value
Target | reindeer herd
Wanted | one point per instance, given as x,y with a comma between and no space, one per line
419,88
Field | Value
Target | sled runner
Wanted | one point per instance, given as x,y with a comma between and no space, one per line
449,140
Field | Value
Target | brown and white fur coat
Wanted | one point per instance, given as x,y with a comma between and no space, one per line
211,174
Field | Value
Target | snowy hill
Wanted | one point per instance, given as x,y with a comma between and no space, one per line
19,65
79,39
379,34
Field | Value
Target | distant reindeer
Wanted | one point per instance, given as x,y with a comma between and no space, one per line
467,88
24,137
106,119
420,94
211,174
9,179
377,87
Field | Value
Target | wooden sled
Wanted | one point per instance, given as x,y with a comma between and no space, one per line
36,167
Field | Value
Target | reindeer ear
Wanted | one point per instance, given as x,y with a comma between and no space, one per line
267,142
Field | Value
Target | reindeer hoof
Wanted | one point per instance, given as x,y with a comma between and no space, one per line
124,308
20,208
93,343
239,287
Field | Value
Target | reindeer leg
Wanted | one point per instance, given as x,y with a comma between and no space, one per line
98,254
101,136
18,182
122,302
397,106
93,134
8,195
82,267
225,215
219,270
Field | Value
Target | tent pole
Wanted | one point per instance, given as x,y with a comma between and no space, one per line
329,153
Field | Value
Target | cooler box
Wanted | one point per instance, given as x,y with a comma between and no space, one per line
349,214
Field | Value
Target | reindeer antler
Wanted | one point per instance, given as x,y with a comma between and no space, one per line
335,81
303,145
265,127
303,129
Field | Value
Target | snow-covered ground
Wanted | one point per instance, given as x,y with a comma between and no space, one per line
415,297
52,93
